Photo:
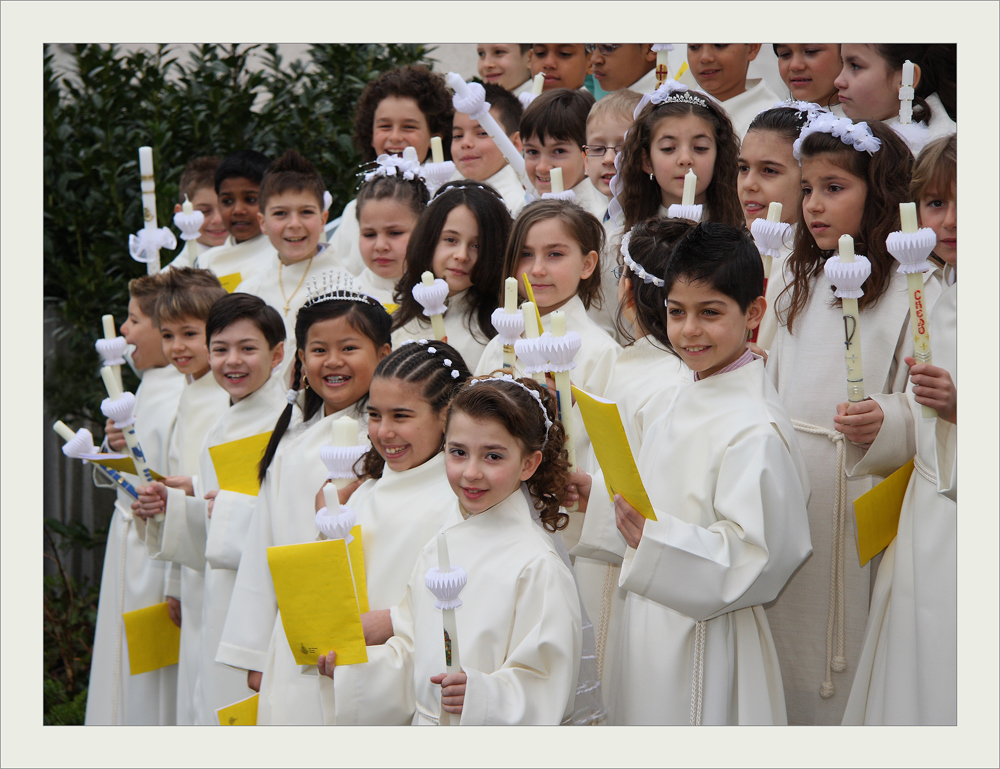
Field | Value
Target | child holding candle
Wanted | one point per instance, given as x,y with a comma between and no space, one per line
564,65
809,69
721,71
341,335
113,695
401,108
728,484
519,625
908,668
460,239
507,65
852,183
197,188
477,156
554,131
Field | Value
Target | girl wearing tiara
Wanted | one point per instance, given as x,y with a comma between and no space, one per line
459,238
341,335
518,627
853,179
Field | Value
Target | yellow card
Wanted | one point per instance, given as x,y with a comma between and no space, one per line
316,596
154,641
358,569
120,462
876,513
236,463
390,307
607,435
242,713
531,298
231,281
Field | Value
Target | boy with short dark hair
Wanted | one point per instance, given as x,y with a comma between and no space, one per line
625,65
720,70
565,65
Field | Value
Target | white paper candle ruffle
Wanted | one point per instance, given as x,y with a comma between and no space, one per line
189,223
120,409
446,586
567,195
509,325
848,276
769,236
692,213
337,525
911,249
431,297
112,351
340,460
144,245
533,354
560,350
81,443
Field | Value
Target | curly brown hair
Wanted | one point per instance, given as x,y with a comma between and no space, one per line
641,197
507,403
415,82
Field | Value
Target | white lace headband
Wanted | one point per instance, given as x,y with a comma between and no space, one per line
406,165
858,135
433,351
633,265
533,393
669,91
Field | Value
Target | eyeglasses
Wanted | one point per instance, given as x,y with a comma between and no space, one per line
604,50
598,150
618,272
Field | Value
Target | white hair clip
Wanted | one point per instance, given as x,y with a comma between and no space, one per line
533,393
669,91
292,396
405,165
633,265
858,135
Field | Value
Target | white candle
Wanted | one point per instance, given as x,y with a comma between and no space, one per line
556,180
510,296
537,84
437,151
64,430
907,73
147,184
773,211
437,321
908,216
110,382
558,323
427,278
187,207
444,564
852,331
846,246
331,498
662,63
145,161
690,181
108,321
345,432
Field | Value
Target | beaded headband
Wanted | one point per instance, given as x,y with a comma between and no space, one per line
633,265
858,135
449,187
533,393
668,92
455,374
336,285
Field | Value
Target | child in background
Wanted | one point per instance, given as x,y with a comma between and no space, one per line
507,65
908,668
553,132
626,65
564,65
721,71
341,336
130,580
769,173
460,238
845,190
182,307
388,208
520,623
401,108
237,186
476,155
206,531
197,186
809,69
869,87
726,479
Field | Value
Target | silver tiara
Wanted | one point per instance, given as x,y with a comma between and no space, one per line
667,92
533,393
336,285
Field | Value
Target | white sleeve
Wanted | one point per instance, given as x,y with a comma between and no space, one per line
228,529
600,538
947,458
894,445
180,536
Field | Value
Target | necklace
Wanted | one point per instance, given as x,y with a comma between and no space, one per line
288,299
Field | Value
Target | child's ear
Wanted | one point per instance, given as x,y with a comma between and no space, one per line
382,351
177,208
755,312
916,75
515,139
277,355
752,51
260,219
589,265
647,52
647,165
326,215
529,464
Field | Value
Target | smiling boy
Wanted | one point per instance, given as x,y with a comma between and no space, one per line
721,71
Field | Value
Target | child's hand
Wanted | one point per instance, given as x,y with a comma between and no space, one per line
326,664
578,490
933,386
180,482
452,691
211,500
174,610
377,626
630,521
344,494
116,438
152,501
253,679
859,422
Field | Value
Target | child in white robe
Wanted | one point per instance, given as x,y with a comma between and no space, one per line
246,343
629,66
729,488
518,628
114,696
507,65
908,669
809,71
721,71
460,238
818,620
341,335
197,187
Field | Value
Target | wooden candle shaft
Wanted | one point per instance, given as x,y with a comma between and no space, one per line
852,340
920,326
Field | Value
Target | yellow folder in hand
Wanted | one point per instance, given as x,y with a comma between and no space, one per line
318,601
154,641
120,462
236,463
607,435
231,281
242,713
876,513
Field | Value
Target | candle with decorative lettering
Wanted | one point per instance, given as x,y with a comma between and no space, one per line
147,184
661,66
120,408
848,272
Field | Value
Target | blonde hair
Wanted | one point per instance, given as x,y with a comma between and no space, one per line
619,104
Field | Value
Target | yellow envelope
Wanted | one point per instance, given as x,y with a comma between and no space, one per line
607,435
154,641
242,713
231,281
120,462
390,307
876,513
316,596
236,463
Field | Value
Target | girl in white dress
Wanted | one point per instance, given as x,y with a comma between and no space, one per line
809,69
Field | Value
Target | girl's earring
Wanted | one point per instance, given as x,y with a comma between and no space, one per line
650,176
305,383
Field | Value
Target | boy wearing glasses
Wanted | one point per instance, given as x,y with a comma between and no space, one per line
626,65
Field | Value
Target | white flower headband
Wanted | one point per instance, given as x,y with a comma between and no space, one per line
405,165
669,91
633,265
533,393
858,135
433,351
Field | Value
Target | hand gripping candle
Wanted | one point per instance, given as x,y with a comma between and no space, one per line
911,247
509,323
81,443
687,208
431,292
847,272
446,582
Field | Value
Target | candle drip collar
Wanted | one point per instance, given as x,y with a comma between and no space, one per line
858,135
568,195
406,165
432,297
533,393
634,266
81,443
446,585
509,325
337,525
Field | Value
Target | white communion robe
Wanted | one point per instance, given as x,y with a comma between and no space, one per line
940,125
505,182
728,483
591,199
188,256
377,286
908,669
644,383
253,637
808,370
470,346
519,631
594,363
744,107
645,84
240,262
130,581
345,243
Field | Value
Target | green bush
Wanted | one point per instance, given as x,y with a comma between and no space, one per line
203,103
